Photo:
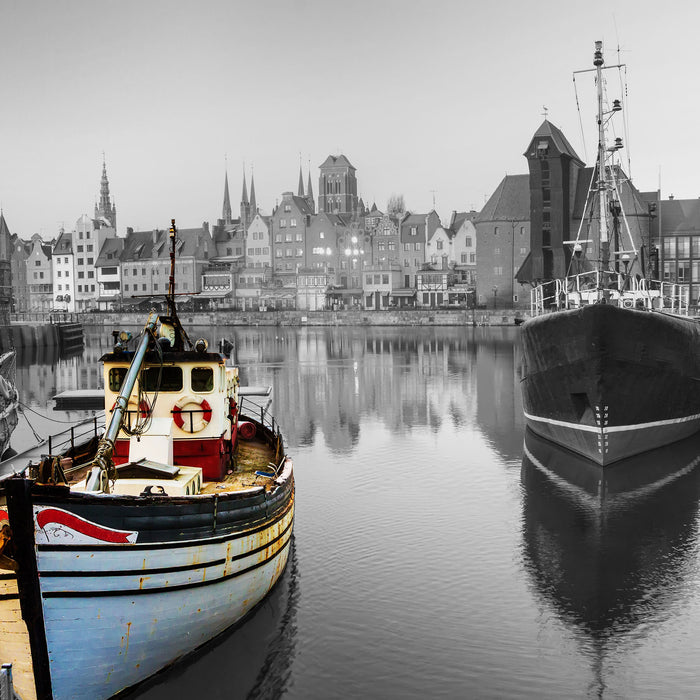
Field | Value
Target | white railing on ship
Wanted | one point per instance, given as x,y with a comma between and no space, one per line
622,290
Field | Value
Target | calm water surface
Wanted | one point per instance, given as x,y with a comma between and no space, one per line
436,554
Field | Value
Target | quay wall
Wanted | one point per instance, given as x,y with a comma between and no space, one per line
435,317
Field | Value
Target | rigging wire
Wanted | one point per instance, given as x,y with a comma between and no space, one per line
37,437
580,121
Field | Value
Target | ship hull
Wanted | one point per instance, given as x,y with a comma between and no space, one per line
610,382
112,589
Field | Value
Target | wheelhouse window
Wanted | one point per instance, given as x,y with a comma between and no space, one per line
116,377
202,379
170,379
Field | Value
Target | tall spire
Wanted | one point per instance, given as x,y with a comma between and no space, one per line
226,211
106,209
309,188
244,194
253,203
300,189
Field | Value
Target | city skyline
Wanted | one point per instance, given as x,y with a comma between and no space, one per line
433,101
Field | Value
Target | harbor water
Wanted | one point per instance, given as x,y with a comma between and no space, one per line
438,553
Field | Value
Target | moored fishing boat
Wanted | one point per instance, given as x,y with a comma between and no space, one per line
611,361
136,545
9,399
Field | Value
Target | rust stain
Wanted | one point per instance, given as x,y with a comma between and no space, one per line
128,632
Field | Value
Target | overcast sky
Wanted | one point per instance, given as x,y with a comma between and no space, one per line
427,99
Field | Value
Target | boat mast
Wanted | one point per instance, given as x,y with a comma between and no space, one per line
602,186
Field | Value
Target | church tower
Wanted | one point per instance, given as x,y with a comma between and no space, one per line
106,209
337,187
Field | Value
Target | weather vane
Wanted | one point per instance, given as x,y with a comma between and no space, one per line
545,112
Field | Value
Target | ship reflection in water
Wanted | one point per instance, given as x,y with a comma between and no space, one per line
610,551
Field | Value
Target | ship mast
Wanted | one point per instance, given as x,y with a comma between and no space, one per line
602,186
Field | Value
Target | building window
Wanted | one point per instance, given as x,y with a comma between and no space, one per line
669,248
287,207
298,237
495,230
322,235
283,223
683,247
684,271
414,230
468,241
463,258
292,222
81,274
278,238
80,261
417,245
496,251
300,252
439,245
498,270
287,237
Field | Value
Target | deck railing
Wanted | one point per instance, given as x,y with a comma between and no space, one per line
614,288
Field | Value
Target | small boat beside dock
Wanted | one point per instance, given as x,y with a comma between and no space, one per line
127,545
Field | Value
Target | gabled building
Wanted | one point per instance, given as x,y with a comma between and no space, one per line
679,222
63,273
39,276
415,231
18,269
503,243
108,274
289,223
145,264
464,245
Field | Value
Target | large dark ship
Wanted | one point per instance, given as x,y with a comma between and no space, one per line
611,366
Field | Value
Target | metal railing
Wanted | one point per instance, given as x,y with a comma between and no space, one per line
614,288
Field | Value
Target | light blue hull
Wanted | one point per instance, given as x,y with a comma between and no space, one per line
114,617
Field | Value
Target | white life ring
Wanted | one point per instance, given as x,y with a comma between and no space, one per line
195,417
628,303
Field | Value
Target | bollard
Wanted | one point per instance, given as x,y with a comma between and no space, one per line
6,690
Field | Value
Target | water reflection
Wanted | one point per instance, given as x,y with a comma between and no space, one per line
403,378
610,551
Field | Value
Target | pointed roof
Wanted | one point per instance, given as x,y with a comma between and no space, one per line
4,229
253,203
510,201
337,161
226,210
244,194
309,188
547,129
300,189
680,216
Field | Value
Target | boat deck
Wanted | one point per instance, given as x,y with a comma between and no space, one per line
251,457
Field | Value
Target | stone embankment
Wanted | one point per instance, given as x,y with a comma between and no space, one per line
428,317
